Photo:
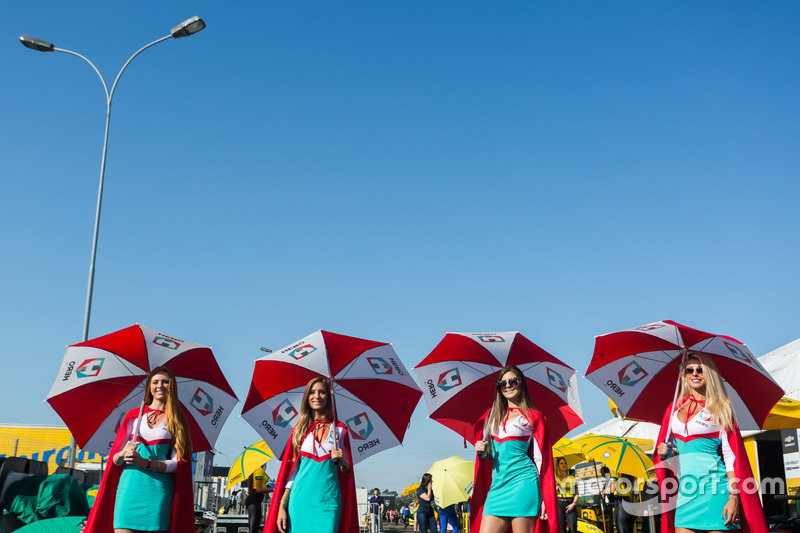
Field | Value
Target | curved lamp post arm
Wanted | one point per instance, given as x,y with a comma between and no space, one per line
184,29
95,237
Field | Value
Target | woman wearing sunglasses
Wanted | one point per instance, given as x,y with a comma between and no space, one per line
714,470
514,480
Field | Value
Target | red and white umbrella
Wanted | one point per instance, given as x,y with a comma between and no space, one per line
460,376
373,393
639,369
102,379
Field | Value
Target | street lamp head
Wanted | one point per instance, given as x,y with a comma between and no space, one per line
188,27
36,44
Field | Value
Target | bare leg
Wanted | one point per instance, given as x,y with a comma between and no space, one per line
494,524
523,524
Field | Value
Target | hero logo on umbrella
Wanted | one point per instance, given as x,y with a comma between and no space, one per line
302,351
166,342
631,374
556,380
649,327
450,379
360,426
379,365
90,368
202,402
491,338
284,413
738,352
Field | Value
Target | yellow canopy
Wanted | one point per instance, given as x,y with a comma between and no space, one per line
621,455
565,448
253,457
410,490
452,480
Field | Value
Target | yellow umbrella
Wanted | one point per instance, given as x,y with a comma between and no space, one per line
452,480
623,455
410,490
253,457
565,448
785,415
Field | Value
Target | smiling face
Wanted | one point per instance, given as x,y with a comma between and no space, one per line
318,398
511,388
159,387
693,374
562,465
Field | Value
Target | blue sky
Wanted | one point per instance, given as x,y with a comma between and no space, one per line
396,170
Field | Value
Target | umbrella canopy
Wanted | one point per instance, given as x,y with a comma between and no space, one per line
618,454
373,393
452,480
566,448
640,368
102,379
410,490
460,378
251,459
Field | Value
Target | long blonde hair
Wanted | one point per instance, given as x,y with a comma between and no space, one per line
717,400
176,422
307,415
500,405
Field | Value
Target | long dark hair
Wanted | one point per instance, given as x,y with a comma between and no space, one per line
426,478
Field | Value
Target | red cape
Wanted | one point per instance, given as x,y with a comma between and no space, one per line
101,517
752,514
348,521
483,477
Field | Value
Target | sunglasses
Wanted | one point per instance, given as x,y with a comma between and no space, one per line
689,370
511,383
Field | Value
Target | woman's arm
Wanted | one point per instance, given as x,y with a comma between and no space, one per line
427,495
283,512
574,503
732,508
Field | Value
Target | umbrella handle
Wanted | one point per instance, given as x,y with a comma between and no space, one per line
667,439
335,423
138,422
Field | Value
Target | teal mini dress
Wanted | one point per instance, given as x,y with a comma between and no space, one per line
144,497
516,489
315,500
703,490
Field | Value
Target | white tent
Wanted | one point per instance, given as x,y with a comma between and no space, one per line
784,366
624,428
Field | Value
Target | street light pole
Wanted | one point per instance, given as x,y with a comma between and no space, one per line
184,29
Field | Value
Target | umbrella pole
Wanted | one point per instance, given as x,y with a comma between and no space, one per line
600,494
138,422
674,400
335,421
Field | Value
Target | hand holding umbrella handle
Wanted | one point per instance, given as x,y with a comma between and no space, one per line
482,449
671,450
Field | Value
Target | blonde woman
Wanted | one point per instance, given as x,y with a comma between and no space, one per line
315,490
712,462
514,480
147,485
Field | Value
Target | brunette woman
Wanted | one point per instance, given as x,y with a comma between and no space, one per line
514,479
147,485
315,490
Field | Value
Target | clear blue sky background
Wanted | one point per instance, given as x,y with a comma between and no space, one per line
396,170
